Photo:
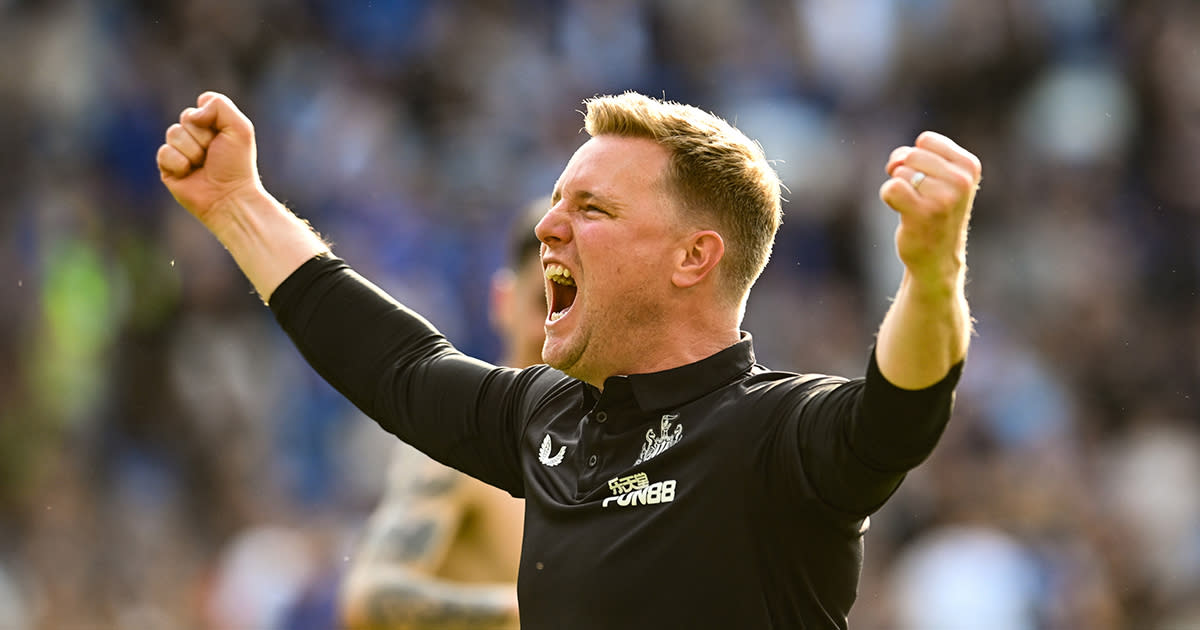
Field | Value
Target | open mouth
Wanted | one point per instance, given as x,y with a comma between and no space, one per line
562,290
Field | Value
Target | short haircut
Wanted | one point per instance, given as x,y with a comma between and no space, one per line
720,177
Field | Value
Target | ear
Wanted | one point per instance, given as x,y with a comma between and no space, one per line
699,254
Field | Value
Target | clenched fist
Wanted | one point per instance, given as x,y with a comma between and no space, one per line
209,163
932,187
209,157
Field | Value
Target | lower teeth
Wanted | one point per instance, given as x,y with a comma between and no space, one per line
556,316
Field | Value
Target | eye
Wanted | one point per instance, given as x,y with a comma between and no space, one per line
593,209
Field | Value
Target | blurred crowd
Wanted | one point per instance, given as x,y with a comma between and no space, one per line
168,461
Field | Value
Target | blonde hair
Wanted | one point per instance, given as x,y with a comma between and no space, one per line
720,177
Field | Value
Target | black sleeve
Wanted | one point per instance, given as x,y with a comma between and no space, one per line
896,429
399,370
857,438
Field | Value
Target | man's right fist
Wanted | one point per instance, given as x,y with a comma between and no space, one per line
209,156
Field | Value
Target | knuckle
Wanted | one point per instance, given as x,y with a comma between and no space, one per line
169,161
200,134
961,180
944,200
976,167
892,192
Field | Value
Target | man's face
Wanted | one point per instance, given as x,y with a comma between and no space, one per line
608,250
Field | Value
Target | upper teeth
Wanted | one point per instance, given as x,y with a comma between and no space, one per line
560,274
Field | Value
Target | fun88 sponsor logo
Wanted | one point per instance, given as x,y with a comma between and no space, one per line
637,490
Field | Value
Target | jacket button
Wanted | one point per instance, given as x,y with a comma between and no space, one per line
592,460
602,417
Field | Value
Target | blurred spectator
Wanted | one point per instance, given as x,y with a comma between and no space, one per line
12,606
965,577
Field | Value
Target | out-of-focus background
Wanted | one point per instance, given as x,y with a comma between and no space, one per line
168,461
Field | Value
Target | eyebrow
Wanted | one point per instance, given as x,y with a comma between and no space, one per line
585,196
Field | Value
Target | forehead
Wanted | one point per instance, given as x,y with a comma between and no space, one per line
614,168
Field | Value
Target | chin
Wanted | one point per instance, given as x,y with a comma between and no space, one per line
553,356
558,363
562,356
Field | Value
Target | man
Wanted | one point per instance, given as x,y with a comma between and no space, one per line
670,482
441,551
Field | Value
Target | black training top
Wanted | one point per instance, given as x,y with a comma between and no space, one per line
719,494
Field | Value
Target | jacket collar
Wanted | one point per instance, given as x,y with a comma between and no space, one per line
677,386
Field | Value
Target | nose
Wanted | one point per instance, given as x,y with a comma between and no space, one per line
554,227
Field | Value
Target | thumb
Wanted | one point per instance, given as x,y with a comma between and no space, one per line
218,112
207,96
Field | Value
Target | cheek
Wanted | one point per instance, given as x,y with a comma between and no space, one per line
621,271
638,270
624,264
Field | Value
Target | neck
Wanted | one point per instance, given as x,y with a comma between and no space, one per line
680,345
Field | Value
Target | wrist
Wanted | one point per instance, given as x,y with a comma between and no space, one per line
267,240
940,285
240,212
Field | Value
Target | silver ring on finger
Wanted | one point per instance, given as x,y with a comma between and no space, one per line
916,180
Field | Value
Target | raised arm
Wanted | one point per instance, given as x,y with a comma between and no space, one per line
928,327
395,581
898,412
209,164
